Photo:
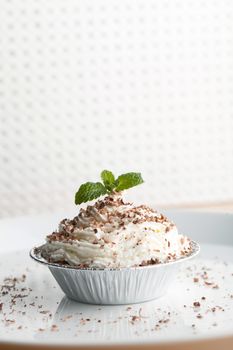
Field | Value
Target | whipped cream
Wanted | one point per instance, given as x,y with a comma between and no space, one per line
115,234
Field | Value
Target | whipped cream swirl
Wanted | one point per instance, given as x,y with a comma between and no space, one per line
115,234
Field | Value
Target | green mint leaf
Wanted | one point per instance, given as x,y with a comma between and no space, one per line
89,191
128,180
108,179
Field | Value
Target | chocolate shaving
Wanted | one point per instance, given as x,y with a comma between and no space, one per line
196,304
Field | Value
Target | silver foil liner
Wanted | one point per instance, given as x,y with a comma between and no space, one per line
115,286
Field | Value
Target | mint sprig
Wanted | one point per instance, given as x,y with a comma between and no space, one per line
92,190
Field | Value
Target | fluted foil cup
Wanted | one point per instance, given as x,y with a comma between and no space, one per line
115,286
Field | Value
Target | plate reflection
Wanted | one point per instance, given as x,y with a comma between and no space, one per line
78,323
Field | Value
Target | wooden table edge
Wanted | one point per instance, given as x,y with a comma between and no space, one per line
226,343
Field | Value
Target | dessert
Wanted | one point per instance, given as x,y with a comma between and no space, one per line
114,252
113,233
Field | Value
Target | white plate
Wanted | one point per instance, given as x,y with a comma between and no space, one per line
42,315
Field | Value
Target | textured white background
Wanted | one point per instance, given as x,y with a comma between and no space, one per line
120,84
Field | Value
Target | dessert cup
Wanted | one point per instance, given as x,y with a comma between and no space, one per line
115,286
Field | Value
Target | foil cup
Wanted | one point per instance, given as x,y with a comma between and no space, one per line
115,286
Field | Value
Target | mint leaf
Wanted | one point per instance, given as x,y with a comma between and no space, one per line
108,179
128,180
89,191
